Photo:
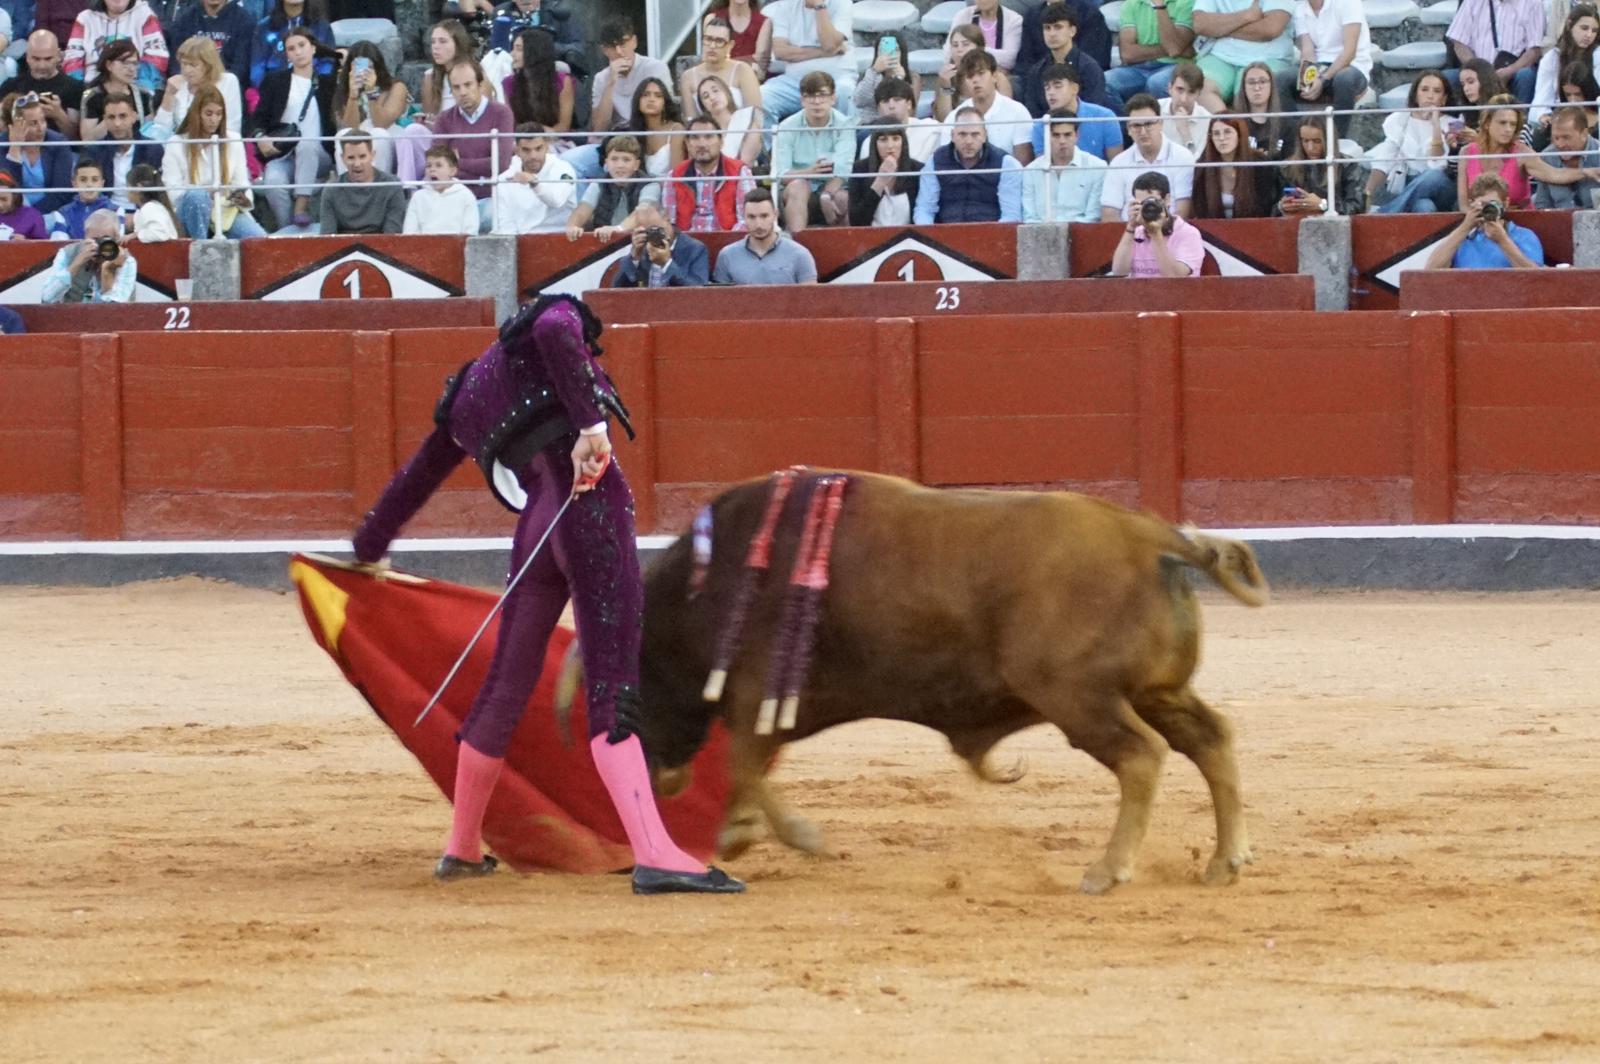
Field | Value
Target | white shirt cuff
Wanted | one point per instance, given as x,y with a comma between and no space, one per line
597,429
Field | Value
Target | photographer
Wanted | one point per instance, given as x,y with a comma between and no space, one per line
1486,239
96,269
661,257
1156,242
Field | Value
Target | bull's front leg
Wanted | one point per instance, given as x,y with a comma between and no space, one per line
755,799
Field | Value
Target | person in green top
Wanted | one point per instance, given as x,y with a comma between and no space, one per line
1155,34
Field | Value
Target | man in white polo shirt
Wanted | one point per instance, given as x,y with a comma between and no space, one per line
1009,125
1150,151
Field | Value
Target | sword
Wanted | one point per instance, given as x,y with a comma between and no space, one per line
499,603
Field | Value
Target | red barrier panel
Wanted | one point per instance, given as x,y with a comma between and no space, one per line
992,298
1384,246
231,315
41,442
364,267
1491,289
24,262
1235,247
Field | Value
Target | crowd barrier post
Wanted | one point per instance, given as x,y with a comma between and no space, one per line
490,265
1044,251
1586,239
1326,253
214,270
1330,145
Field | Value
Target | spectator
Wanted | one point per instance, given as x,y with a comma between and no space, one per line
1478,85
104,21
741,128
707,189
1576,44
883,184
888,64
950,88
117,68
1304,178
154,220
809,36
1408,168
1510,36
766,255
448,44
364,199
200,66
1066,184
207,168
537,91
223,22
1256,100
1568,172
1185,120
1094,36
123,147
267,53
1577,88
969,179
8,34
18,221
474,112
1060,28
11,323
895,101
1008,124
473,14
716,38
35,155
1099,133
1150,150
812,152
654,120
515,17
1497,135
1001,28
1226,186
752,33
90,181
370,99
295,112
606,204
443,205
339,10
61,92
662,257
1486,239
1242,32
1156,242
614,87
96,269
1153,38
538,190
56,17
1335,47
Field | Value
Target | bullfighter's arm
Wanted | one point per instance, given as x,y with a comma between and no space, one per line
559,346
410,488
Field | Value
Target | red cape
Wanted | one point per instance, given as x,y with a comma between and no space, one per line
395,637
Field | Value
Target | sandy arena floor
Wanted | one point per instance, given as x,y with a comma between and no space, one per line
214,852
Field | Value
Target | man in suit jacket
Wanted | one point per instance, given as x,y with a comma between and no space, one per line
123,148
673,259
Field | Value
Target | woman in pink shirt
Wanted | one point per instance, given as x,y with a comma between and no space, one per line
1497,135
1001,28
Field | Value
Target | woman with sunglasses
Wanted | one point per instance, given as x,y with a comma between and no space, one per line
117,70
716,42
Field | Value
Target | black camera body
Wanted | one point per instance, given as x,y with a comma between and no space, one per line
1491,211
1151,209
107,250
655,236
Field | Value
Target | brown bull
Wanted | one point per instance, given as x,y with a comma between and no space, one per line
977,614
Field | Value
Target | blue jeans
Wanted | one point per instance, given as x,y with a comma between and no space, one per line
1429,193
1522,83
780,96
1342,94
194,211
1152,77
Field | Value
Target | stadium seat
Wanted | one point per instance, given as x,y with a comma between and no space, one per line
1418,55
863,54
380,31
1112,13
1394,99
925,61
940,17
882,16
1390,14
1440,15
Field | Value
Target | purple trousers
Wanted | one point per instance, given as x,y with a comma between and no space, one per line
592,558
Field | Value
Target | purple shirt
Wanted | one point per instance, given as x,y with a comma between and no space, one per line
477,164
24,222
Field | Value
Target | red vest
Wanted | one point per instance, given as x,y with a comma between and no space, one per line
726,202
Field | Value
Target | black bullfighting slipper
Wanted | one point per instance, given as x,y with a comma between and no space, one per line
450,868
660,881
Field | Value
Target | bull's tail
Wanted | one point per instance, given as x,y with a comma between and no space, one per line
1230,562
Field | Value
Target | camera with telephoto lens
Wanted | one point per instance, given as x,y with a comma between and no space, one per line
107,250
1491,211
1151,210
656,236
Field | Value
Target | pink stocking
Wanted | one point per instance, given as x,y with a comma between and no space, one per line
476,775
627,779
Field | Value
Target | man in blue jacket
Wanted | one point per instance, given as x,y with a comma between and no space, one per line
226,23
35,156
661,257
123,148
969,179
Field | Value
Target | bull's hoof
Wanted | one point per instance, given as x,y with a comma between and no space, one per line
1011,774
1224,868
671,782
734,840
801,834
1101,878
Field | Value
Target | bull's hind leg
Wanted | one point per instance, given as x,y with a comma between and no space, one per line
1107,729
1203,735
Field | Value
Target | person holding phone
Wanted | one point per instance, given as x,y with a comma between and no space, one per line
206,166
888,64
1304,177
812,155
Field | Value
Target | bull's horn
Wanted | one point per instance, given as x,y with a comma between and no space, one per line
567,681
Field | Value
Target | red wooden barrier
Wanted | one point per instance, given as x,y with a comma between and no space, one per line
256,315
799,302
1492,289
1385,246
41,437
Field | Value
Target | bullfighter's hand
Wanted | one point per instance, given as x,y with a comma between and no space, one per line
589,461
